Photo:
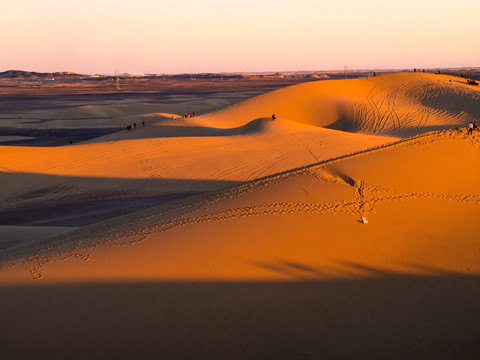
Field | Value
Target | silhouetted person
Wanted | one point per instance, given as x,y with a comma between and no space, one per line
475,127
143,123
415,70
71,142
273,117
134,125
470,128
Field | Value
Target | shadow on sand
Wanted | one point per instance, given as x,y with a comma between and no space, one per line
178,131
58,200
389,317
53,137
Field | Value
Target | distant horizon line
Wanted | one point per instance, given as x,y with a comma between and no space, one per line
244,72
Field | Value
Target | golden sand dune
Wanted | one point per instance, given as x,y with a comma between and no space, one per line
276,268
401,104
314,242
416,194
177,157
239,143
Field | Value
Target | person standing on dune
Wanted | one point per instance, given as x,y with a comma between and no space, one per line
470,128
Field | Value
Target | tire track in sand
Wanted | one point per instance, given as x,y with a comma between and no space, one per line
150,170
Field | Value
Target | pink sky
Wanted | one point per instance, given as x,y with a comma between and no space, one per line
151,36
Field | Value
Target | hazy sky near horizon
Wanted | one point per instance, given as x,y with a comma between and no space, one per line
176,36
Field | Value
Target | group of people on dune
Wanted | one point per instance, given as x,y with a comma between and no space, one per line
188,114
129,127
472,125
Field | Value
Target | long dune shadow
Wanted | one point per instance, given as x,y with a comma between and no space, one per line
55,200
63,137
82,213
177,131
390,317
171,131
53,137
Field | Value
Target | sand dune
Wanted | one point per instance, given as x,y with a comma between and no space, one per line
309,217
275,261
174,157
279,267
402,104
235,144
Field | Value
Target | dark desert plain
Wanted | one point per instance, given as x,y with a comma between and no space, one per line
344,227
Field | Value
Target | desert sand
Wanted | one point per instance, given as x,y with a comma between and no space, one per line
270,258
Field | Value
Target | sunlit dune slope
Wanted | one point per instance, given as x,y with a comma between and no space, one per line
401,104
420,197
171,155
177,157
